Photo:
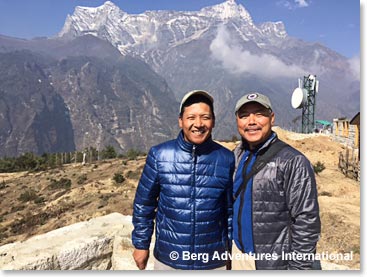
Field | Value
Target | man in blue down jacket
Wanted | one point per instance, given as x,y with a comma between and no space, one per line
276,223
186,189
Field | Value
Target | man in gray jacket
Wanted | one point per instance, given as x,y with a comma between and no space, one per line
276,223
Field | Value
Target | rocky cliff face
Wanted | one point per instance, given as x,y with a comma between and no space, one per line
33,116
123,104
67,95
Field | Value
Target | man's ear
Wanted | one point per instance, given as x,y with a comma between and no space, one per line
180,122
272,120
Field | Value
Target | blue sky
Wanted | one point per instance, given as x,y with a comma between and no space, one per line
333,23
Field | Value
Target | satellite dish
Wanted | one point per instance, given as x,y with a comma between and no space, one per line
299,98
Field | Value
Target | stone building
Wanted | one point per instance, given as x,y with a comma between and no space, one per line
347,131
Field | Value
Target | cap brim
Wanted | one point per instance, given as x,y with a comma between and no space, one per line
196,92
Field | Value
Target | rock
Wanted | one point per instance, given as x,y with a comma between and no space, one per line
84,245
102,243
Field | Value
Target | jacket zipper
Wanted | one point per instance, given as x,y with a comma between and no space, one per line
242,203
193,152
252,223
239,223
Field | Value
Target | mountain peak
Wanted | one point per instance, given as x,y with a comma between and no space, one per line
226,10
106,7
89,20
109,3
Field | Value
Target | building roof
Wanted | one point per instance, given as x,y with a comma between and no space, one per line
323,122
356,119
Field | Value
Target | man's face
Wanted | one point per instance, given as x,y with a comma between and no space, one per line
254,122
197,122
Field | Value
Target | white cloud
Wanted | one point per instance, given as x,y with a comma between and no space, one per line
355,67
237,60
301,3
291,5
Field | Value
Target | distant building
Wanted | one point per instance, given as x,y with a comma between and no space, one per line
323,126
348,131
357,139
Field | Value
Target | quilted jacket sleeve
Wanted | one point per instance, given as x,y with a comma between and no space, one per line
304,208
229,201
145,204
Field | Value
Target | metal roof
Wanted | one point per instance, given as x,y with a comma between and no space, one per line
323,122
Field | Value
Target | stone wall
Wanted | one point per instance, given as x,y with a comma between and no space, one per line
344,132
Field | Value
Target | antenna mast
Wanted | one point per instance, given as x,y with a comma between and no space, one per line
308,111
305,98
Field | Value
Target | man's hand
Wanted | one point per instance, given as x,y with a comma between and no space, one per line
141,257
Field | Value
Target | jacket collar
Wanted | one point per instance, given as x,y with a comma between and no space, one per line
244,145
188,146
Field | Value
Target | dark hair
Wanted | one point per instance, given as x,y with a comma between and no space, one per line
197,99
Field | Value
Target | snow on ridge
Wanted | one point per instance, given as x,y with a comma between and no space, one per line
151,28
226,10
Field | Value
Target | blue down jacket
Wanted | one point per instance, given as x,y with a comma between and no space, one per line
187,189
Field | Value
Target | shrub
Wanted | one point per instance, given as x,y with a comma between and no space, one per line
109,152
81,179
132,154
318,167
28,195
2,185
28,221
39,200
63,183
17,208
118,178
325,193
133,174
7,165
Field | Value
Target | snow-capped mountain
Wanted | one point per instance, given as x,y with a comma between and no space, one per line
111,98
136,34
219,48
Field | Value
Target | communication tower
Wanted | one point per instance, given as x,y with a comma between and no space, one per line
304,97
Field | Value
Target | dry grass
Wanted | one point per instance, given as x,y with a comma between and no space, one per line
93,192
